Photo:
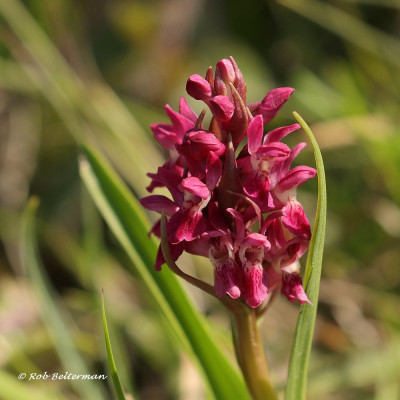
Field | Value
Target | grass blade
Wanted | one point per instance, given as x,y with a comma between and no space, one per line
128,222
349,28
85,108
298,365
111,363
14,389
53,316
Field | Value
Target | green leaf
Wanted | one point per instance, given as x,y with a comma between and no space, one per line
126,218
298,365
85,107
54,317
111,363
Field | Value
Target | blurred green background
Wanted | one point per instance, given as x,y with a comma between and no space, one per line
100,71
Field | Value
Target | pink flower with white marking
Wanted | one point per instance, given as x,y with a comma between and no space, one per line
226,270
237,208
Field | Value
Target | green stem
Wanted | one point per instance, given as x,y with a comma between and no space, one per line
250,354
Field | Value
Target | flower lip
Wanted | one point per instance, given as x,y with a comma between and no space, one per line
292,285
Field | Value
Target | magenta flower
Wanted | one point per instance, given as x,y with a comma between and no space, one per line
226,270
239,209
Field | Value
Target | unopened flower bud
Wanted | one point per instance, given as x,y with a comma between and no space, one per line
224,74
222,108
198,88
226,70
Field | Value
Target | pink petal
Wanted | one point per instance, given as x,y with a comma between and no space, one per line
292,287
271,278
274,149
273,102
175,249
195,186
255,132
255,291
209,76
200,246
271,218
187,225
239,224
186,111
239,83
293,154
170,176
257,189
253,107
213,170
295,220
244,165
198,144
296,177
279,133
225,70
159,203
216,218
222,108
256,240
208,140
165,135
198,88
240,118
224,73
156,229
180,123
225,277
159,260
294,249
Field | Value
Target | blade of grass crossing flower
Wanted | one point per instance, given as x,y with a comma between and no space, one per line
53,315
129,224
111,363
298,365
111,199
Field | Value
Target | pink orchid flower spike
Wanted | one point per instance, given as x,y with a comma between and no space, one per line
232,202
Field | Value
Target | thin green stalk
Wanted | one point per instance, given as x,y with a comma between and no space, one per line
54,317
296,388
113,369
250,354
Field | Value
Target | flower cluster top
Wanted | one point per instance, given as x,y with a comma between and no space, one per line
232,203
